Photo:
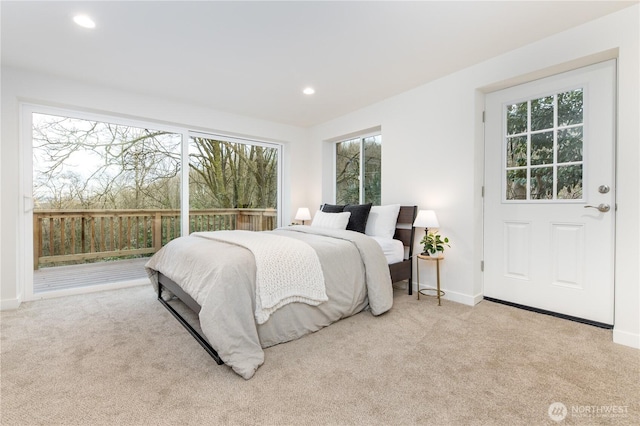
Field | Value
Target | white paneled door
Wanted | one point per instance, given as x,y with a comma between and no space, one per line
550,194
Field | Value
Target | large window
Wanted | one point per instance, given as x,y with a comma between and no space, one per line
108,189
358,170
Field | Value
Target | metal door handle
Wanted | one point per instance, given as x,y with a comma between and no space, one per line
601,207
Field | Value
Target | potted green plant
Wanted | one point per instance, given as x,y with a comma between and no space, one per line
434,243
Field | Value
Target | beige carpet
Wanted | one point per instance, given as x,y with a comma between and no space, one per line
119,357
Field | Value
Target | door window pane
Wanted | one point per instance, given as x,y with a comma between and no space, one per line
516,118
542,183
542,148
539,134
570,145
517,184
570,109
570,182
517,151
542,113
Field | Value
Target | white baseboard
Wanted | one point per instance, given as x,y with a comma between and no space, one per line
625,338
9,304
465,299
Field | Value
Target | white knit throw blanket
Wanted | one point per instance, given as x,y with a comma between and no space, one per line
287,270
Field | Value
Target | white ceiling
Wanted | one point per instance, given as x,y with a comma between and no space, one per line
254,58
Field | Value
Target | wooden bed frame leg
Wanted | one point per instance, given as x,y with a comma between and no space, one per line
206,346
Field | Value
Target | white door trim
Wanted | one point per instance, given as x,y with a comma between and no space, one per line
588,199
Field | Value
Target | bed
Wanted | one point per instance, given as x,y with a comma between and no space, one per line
215,275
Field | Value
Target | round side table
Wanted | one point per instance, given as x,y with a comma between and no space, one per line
438,293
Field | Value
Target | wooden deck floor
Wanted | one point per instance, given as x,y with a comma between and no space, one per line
89,274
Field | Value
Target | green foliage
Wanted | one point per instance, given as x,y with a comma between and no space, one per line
348,158
433,242
232,175
348,172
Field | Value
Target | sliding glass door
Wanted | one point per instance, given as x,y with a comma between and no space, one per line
233,184
103,189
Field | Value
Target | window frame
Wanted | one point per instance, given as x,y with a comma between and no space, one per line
240,140
554,165
28,109
361,174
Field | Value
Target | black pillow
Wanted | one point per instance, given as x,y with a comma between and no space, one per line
359,216
332,208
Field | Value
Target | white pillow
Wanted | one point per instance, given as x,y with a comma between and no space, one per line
382,221
331,220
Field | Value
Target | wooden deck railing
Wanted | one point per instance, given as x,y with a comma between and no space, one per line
72,236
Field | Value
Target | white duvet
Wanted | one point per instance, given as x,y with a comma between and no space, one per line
221,278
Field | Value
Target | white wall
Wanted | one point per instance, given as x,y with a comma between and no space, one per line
433,151
20,87
0,200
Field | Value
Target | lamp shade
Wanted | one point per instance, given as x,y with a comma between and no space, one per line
426,219
303,214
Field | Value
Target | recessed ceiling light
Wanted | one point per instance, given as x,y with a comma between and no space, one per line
84,21
309,91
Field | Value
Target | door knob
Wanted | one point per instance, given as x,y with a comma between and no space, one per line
601,207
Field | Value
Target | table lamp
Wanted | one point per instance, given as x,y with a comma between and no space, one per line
426,219
303,214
